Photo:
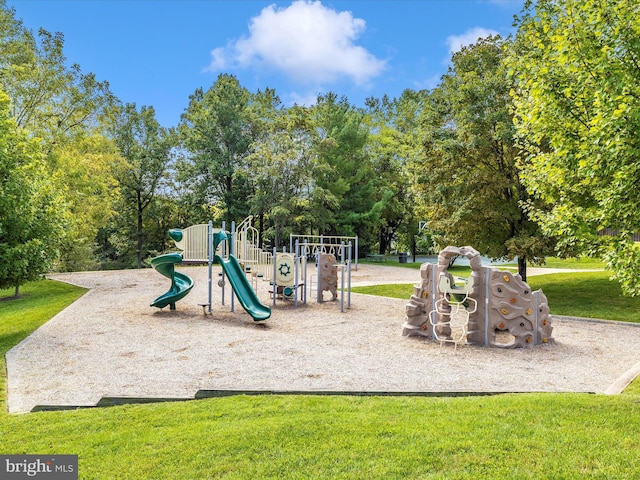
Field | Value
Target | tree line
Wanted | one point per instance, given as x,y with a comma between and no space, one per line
527,147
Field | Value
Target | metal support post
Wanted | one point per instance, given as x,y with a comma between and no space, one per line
210,262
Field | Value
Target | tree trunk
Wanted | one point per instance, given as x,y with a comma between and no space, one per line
522,267
413,247
386,235
260,229
17,290
383,242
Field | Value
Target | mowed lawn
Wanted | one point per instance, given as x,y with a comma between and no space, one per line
580,294
503,436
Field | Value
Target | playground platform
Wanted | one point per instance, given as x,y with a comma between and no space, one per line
110,347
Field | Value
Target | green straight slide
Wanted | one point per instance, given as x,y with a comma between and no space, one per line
242,288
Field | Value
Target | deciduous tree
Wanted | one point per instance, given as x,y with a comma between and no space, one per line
217,133
63,107
85,172
344,199
394,146
49,97
147,149
576,66
280,172
32,211
470,183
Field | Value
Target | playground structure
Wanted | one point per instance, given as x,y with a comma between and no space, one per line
245,247
181,284
491,307
238,280
286,272
327,276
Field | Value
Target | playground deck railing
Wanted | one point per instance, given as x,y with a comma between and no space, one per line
194,244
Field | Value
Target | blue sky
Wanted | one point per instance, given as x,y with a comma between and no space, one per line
159,52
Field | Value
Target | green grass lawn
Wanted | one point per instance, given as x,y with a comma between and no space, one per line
579,294
583,263
392,262
587,294
505,436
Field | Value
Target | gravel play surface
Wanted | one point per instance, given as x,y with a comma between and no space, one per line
111,343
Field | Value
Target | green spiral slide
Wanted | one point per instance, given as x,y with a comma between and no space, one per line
181,284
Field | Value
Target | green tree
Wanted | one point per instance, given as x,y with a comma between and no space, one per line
147,150
217,133
64,108
344,198
85,172
469,182
32,211
576,66
48,97
280,168
394,146
162,215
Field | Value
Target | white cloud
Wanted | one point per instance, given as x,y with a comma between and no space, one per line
218,59
427,83
306,41
456,42
305,99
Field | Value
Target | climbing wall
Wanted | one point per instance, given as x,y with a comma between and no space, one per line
328,276
518,317
420,304
512,316
475,328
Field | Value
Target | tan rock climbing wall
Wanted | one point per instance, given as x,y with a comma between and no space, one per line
420,304
328,281
517,316
544,319
513,316
475,332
